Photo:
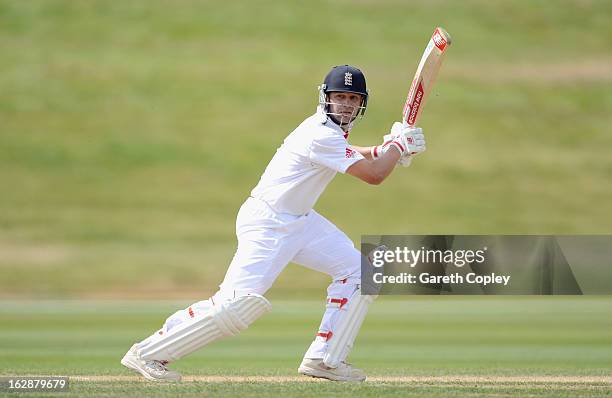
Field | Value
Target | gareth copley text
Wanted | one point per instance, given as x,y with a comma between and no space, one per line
413,257
425,278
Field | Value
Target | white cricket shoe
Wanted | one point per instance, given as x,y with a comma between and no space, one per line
344,372
152,370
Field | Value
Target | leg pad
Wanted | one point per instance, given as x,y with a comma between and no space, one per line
224,319
341,343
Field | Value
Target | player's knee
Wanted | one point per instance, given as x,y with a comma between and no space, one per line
187,314
351,271
234,315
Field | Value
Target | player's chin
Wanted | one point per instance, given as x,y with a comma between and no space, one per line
346,119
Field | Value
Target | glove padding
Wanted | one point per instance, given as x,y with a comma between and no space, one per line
409,141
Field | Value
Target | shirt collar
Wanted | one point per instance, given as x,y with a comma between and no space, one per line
323,118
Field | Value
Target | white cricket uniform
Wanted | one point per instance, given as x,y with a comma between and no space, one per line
277,225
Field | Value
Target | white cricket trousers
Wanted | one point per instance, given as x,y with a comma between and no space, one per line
268,241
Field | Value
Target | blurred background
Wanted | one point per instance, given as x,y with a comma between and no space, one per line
131,132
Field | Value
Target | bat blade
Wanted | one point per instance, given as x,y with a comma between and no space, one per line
425,76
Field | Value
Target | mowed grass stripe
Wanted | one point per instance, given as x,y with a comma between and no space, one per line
402,336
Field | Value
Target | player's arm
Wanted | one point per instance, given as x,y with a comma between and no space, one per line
402,143
365,151
375,171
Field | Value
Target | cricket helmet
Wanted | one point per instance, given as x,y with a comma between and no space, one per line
344,78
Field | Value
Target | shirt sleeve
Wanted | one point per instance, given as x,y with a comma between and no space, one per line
333,151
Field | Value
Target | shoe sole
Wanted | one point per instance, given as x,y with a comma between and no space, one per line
324,375
132,364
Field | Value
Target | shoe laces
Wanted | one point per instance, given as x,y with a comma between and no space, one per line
158,366
346,365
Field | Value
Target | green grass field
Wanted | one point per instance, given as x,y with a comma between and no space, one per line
115,118
131,132
414,346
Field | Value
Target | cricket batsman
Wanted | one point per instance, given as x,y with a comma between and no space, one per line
277,225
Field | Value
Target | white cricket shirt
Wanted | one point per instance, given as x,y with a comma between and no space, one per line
304,164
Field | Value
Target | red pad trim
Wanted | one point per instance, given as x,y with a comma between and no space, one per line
327,335
341,301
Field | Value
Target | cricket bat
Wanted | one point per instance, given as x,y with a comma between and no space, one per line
425,76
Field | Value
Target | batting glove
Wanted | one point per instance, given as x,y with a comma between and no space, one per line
409,141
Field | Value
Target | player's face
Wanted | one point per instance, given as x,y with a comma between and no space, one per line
345,105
